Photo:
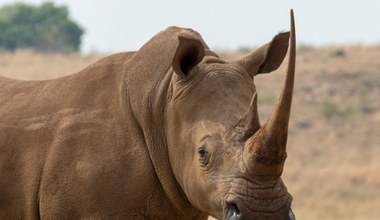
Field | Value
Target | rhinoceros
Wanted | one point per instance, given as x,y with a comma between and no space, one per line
170,131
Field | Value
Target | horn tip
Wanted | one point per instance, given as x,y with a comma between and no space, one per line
292,19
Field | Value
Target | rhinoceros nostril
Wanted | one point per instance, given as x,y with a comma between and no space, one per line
233,212
291,215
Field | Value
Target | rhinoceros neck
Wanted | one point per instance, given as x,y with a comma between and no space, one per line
147,85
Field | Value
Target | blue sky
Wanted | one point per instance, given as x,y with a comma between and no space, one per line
119,25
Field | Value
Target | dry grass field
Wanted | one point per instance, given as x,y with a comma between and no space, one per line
333,167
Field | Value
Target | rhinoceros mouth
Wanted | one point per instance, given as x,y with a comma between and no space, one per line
237,209
232,212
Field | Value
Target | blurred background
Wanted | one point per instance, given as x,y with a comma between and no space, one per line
333,165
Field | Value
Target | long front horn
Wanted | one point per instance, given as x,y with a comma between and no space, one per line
267,147
277,125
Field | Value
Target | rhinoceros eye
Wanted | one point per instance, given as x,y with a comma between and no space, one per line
202,152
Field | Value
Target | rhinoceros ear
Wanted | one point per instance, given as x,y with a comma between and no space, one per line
190,52
268,57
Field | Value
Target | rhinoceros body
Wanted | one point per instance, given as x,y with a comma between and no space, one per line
161,133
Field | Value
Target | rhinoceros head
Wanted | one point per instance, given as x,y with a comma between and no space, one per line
228,164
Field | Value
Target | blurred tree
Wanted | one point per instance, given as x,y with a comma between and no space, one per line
46,28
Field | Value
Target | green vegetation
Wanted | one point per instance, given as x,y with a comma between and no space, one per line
46,28
330,109
304,48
